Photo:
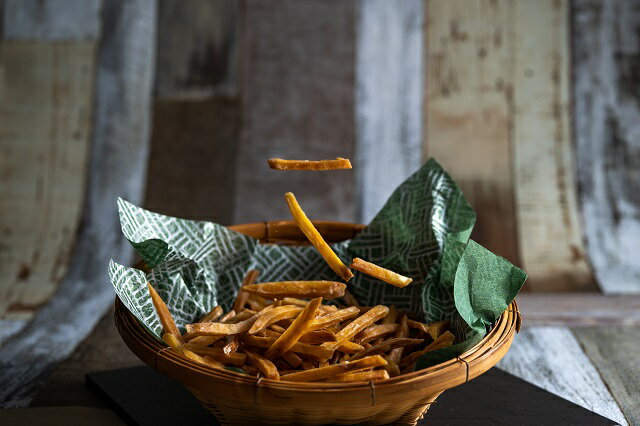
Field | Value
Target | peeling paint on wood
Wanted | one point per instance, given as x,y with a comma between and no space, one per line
389,70
197,53
297,102
606,41
550,357
46,96
497,117
51,19
118,168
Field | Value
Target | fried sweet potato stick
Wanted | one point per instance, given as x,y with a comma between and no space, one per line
213,315
316,352
265,366
381,273
242,296
312,234
332,318
218,328
396,354
312,337
274,315
307,289
201,359
232,344
357,325
433,329
303,303
234,358
173,342
362,376
168,324
296,330
375,331
316,166
320,373
443,341
292,359
386,346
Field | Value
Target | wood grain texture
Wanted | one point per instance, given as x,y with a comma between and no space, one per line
497,118
102,350
550,357
118,168
549,231
579,309
606,46
297,103
46,102
197,53
469,110
614,352
388,98
191,165
51,19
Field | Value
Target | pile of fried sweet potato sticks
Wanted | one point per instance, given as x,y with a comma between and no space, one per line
282,331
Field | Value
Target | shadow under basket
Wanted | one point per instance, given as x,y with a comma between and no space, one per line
235,398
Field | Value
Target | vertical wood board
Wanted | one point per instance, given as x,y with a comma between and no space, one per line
51,19
197,48
549,230
191,165
606,42
469,110
388,98
551,357
46,99
118,168
297,102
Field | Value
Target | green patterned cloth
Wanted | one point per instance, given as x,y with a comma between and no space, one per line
421,232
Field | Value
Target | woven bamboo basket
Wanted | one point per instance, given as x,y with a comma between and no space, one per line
239,399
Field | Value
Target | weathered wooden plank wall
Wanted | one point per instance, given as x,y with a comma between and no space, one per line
118,166
496,113
196,111
46,92
388,98
606,37
297,102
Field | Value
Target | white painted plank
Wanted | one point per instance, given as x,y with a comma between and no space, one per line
549,229
389,70
606,45
551,357
52,19
118,167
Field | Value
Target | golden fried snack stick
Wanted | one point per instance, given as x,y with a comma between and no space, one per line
176,345
316,352
320,373
312,234
433,329
357,325
386,346
274,315
218,328
213,315
381,273
317,166
312,337
391,367
303,303
242,297
232,344
443,341
168,324
392,316
264,365
306,289
292,359
362,376
234,358
375,331
296,330
173,342
332,318
403,331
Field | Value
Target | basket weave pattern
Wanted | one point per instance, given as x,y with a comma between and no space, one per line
237,399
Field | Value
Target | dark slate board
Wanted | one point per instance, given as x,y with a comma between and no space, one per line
142,396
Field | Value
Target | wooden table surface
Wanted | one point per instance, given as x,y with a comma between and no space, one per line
595,366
